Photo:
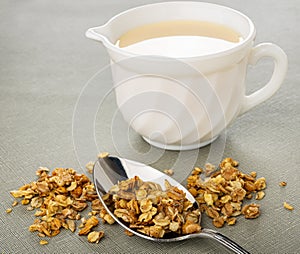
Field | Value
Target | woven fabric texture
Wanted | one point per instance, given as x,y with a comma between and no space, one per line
45,64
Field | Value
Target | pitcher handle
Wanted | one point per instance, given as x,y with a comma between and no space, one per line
280,69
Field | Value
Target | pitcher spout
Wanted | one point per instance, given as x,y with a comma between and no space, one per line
97,33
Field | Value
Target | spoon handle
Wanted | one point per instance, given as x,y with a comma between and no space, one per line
223,240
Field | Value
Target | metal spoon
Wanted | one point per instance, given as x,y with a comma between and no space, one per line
109,170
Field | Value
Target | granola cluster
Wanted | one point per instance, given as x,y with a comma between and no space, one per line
58,199
221,196
144,206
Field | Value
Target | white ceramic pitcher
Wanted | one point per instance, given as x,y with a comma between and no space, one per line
185,103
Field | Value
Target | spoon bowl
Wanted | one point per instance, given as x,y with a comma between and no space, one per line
109,170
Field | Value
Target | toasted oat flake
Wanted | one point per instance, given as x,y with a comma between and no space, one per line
231,221
43,242
260,183
209,168
95,237
218,222
90,166
282,184
288,206
14,203
8,210
25,201
212,213
249,196
29,208
71,225
110,220
90,223
127,232
197,171
41,171
260,195
103,155
190,228
169,172
251,211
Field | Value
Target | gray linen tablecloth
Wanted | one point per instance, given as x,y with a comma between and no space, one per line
46,61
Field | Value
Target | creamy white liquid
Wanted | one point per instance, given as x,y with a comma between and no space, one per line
180,46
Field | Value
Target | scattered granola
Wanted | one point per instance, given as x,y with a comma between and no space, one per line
282,184
90,166
95,237
221,196
60,197
209,168
15,203
288,206
145,207
58,200
103,155
43,242
169,172
89,224
231,221
260,195
71,225
251,211
8,210
128,233
218,222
